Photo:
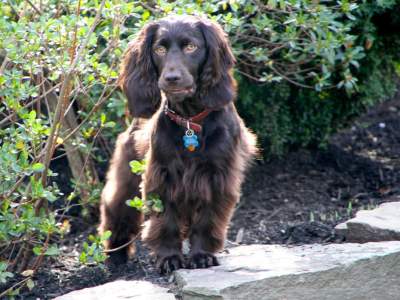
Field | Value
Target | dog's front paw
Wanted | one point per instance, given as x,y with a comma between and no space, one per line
170,263
202,260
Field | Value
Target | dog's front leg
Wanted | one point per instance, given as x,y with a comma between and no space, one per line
206,238
207,235
161,232
162,236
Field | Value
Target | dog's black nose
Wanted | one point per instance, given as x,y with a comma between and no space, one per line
172,77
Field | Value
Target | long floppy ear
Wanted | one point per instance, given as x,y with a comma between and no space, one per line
138,76
217,85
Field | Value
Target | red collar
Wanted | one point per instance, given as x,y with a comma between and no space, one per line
192,122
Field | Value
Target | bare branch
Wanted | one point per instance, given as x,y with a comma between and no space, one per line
12,115
34,7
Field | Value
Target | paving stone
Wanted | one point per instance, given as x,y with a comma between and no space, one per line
380,224
310,272
121,289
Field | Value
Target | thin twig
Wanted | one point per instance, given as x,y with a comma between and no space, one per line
154,11
13,9
39,259
14,286
250,76
290,80
121,247
9,117
15,187
93,110
34,7
4,64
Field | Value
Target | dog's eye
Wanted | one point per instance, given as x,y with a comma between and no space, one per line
160,50
189,48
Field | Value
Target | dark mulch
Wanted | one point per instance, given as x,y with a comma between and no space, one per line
295,200
299,199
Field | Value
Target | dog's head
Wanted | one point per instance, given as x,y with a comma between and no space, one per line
185,57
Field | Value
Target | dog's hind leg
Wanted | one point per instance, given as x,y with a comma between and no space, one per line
124,222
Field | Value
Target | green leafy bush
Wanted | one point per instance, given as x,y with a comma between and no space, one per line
58,67
305,68
153,202
93,252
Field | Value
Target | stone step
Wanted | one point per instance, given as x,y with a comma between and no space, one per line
379,224
121,289
310,272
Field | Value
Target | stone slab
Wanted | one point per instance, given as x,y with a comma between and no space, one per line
310,272
379,224
121,289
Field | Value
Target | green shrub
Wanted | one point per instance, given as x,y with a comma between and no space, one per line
355,69
58,67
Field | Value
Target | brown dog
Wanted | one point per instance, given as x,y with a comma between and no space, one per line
194,142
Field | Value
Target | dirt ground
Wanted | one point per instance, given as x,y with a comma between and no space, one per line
295,200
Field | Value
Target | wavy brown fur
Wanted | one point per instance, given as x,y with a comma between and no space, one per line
199,189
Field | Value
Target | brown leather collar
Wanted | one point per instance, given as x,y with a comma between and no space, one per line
192,122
